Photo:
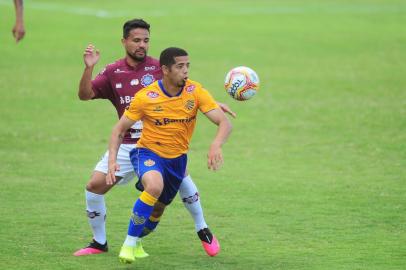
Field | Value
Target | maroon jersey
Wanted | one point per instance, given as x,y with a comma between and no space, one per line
118,82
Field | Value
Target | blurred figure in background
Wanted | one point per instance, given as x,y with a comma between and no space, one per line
18,29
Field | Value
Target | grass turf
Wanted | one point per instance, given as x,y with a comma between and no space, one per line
315,169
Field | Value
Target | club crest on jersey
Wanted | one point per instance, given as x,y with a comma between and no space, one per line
147,79
134,82
152,94
190,104
190,88
149,163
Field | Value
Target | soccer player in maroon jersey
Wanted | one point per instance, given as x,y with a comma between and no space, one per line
118,82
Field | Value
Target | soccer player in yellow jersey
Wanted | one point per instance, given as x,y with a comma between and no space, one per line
168,109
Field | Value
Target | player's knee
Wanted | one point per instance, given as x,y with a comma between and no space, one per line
91,187
153,183
95,188
154,190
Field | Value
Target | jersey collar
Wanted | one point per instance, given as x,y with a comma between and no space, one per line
161,85
138,66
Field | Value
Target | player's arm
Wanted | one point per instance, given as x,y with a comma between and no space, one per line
91,56
116,139
18,29
215,156
227,109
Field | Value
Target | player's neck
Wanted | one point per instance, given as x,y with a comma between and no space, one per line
170,88
131,62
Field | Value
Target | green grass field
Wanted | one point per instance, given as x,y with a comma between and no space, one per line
315,170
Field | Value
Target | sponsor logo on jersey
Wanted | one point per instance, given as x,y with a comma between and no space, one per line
190,88
126,99
119,85
149,163
166,121
119,71
147,79
149,68
137,219
152,94
190,104
158,109
134,82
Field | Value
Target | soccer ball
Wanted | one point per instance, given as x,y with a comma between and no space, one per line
242,83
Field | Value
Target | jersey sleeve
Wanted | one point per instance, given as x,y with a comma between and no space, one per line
135,110
206,101
101,86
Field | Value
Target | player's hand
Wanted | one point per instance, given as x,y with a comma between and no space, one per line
227,109
214,157
91,56
18,31
111,173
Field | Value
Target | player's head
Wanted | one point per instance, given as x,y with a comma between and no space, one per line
136,39
174,63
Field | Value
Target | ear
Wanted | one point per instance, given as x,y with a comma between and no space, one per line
165,70
123,41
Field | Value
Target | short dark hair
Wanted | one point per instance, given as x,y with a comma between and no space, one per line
132,24
167,57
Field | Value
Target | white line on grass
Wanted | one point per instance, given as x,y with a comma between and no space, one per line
275,8
101,13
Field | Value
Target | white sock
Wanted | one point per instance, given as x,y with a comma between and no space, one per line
131,241
190,197
96,213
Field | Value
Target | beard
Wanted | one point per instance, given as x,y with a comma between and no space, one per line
135,57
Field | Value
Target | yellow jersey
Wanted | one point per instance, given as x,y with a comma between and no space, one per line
169,121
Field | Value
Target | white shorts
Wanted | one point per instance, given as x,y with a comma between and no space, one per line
123,159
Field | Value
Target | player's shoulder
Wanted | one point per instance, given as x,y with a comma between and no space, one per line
192,86
149,92
114,66
151,61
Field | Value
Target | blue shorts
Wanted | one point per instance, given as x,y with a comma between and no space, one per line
172,170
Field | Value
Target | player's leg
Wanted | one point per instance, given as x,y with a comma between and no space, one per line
154,171
154,219
96,214
153,185
191,199
94,194
150,226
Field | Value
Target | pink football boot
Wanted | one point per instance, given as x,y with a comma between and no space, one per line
93,248
209,241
